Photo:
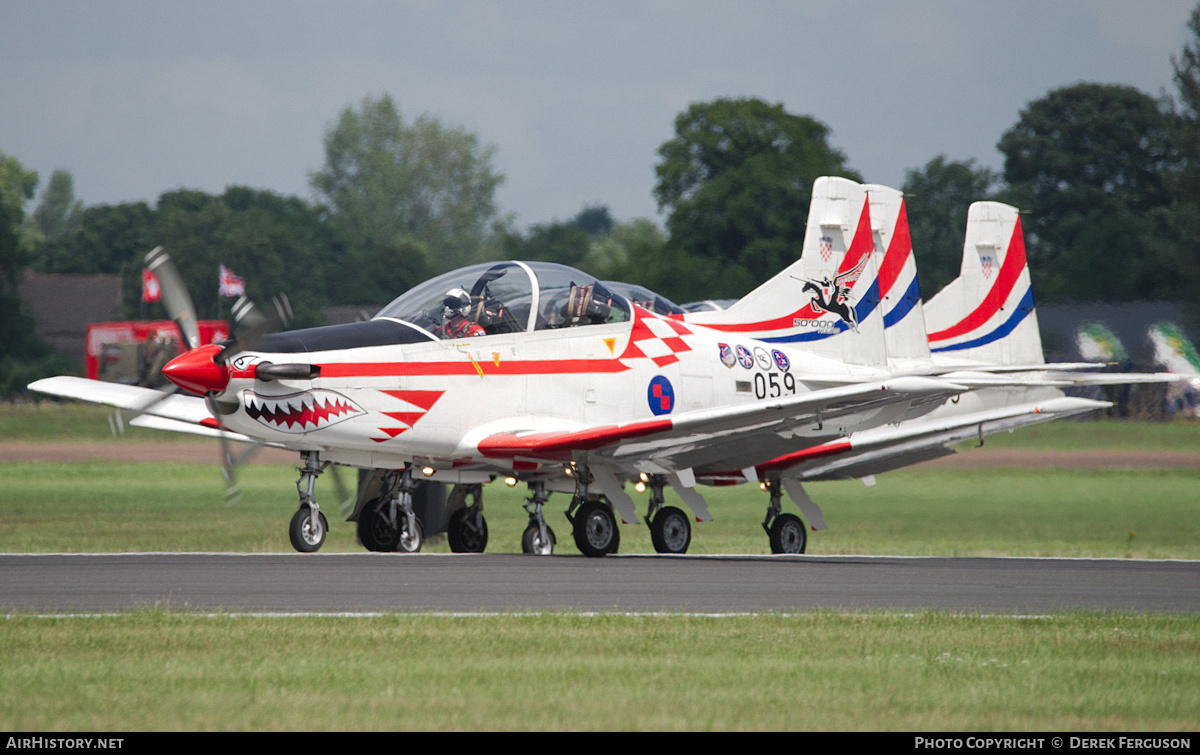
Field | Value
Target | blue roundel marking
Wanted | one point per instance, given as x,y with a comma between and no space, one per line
661,396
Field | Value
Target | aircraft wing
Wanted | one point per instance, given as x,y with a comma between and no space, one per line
159,411
686,440
1060,374
884,449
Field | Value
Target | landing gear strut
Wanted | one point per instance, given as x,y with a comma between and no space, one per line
538,538
785,531
308,527
388,523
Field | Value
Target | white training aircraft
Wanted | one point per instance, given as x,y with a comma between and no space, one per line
540,373
985,336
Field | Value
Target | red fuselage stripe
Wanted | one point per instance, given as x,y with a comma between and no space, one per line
416,369
560,445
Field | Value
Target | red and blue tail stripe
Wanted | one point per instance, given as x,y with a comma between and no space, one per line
983,326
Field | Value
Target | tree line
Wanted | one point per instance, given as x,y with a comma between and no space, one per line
1108,178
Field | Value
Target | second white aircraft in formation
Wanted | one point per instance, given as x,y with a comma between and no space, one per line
540,373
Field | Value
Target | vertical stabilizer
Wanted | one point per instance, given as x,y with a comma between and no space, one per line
900,293
1173,350
827,302
987,315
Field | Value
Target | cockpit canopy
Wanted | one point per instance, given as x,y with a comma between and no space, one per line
507,297
645,298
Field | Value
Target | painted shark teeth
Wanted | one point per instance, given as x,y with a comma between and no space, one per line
300,412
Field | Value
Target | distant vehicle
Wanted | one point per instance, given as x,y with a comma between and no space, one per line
134,352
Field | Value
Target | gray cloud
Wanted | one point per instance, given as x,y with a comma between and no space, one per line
137,98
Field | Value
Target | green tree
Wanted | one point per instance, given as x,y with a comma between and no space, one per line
592,241
1090,163
277,244
58,210
396,185
736,181
936,199
23,356
102,239
1184,255
17,186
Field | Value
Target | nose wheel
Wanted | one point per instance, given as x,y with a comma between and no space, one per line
307,530
308,527
537,539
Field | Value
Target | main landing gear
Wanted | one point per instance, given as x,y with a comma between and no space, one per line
388,523
786,532
467,530
592,521
670,528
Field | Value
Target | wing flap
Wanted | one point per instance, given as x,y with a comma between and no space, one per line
878,451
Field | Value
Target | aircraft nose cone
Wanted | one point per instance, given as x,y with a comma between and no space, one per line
197,371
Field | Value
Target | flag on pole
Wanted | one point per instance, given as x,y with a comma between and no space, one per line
231,285
151,288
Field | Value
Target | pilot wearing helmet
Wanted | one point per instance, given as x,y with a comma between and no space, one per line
456,316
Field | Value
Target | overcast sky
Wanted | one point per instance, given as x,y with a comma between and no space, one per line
136,98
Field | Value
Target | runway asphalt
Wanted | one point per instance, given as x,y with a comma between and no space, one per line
368,582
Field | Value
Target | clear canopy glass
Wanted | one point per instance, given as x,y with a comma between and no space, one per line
507,297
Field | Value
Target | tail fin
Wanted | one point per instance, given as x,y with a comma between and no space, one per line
827,302
986,315
1173,350
903,314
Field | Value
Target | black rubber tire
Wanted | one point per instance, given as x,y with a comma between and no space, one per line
671,531
596,531
788,535
374,533
301,533
530,541
462,533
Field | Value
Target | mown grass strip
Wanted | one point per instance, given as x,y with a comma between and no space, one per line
1105,513
157,670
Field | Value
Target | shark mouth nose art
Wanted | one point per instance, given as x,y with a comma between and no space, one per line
301,412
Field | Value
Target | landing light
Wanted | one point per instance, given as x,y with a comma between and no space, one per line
510,481
427,471
640,487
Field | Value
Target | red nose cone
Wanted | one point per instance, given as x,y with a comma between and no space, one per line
197,370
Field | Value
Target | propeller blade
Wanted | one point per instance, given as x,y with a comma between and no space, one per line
252,324
231,460
175,296
346,497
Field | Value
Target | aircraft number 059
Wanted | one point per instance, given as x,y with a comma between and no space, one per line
774,384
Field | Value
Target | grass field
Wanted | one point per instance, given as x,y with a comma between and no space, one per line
154,670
